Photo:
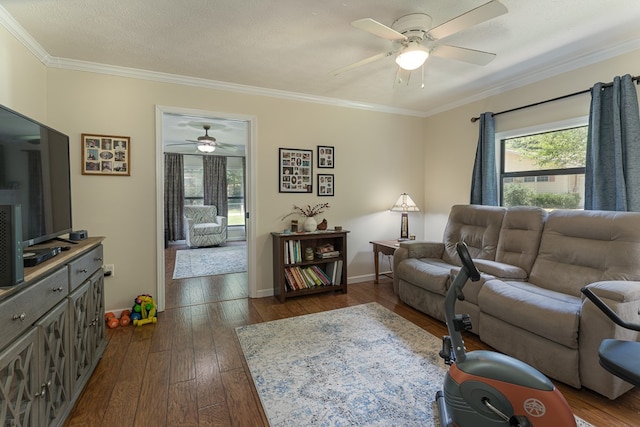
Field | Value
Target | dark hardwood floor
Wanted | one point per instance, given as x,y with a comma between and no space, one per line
188,369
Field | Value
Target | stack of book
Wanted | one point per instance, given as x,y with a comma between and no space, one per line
292,252
298,278
326,251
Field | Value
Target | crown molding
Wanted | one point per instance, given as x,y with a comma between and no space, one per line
520,77
11,25
93,67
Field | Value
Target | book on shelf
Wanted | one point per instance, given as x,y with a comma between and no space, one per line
298,278
292,251
327,247
331,254
290,280
326,280
334,272
338,280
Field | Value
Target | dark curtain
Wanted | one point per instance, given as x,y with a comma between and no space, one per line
484,181
173,196
612,169
215,183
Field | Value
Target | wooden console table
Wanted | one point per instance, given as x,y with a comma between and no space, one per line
386,247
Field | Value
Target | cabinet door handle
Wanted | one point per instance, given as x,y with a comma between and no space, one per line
43,389
98,259
20,316
58,289
83,270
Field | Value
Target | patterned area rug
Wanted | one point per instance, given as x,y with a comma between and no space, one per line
355,366
210,261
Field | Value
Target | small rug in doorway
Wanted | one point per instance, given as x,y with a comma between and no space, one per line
210,261
356,366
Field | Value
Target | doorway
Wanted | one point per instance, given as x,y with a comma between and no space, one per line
223,123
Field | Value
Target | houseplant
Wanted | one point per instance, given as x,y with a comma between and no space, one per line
309,212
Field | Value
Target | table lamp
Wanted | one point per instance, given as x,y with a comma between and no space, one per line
404,205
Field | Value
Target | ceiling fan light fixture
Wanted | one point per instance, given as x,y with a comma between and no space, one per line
412,57
206,148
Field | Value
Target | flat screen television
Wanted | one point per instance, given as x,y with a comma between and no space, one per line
35,173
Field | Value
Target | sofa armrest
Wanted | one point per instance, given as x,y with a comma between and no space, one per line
414,249
623,297
500,269
221,220
399,255
423,249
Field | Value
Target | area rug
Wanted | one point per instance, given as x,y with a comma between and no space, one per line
210,261
357,366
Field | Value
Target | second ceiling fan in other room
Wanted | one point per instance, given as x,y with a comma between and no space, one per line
207,143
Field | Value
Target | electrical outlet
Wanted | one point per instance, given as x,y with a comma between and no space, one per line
109,270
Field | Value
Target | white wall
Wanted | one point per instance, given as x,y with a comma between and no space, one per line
377,156
23,79
451,138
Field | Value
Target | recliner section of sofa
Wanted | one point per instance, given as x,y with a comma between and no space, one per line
528,302
423,274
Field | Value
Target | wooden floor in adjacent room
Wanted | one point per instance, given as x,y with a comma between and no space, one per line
188,369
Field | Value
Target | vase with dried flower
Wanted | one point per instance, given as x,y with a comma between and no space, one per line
309,212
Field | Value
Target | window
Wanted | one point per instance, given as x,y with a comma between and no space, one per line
235,190
544,169
194,188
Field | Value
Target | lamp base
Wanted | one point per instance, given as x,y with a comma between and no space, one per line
404,226
403,239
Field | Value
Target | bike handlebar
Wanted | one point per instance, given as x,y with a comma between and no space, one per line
608,311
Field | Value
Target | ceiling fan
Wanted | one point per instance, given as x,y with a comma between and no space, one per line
414,39
207,143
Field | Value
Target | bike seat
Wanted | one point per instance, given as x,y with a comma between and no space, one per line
621,359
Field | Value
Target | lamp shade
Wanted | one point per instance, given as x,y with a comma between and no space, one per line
405,204
206,148
412,57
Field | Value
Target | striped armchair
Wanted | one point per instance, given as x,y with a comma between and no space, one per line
204,227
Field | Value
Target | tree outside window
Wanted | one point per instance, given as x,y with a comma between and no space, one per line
544,169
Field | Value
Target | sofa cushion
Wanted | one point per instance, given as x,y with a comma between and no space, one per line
206,229
582,247
519,238
500,270
552,315
427,273
476,225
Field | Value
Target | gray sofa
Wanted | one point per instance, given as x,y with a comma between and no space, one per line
528,302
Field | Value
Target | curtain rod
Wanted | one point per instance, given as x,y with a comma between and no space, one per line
475,119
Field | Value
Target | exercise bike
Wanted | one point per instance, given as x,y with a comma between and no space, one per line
619,357
489,389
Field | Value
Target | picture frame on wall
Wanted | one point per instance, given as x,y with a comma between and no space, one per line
326,184
295,171
106,155
326,156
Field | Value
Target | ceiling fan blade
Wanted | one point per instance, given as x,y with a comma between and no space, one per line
180,143
377,29
471,56
475,16
363,62
224,146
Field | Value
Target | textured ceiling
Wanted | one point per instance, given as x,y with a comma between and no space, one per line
293,45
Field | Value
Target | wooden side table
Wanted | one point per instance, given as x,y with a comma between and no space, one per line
386,247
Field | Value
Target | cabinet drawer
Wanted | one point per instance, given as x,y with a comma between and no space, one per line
22,310
83,267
